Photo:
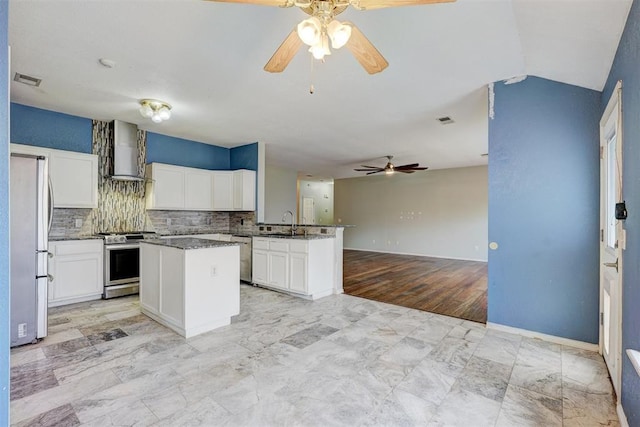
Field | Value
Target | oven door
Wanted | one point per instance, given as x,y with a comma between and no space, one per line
122,264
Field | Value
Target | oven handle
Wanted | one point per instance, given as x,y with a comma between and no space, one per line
122,246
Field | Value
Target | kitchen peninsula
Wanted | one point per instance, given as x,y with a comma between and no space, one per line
190,285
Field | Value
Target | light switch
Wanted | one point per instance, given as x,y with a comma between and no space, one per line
78,222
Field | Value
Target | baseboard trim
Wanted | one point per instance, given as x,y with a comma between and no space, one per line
621,416
412,254
550,338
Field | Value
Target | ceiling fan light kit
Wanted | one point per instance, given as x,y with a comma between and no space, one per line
321,27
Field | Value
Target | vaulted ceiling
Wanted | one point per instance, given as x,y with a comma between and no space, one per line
206,59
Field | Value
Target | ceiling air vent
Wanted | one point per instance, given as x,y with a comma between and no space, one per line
27,80
446,120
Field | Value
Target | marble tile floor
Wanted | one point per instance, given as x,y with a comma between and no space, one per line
338,361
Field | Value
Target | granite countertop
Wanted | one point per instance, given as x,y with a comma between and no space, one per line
296,237
63,238
188,243
192,233
284,224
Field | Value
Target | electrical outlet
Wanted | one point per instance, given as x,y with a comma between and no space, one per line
22,330
214,271
78,223
168,221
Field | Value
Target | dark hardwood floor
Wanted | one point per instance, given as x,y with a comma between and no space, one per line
445,286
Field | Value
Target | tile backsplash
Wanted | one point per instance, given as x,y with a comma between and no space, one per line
121,204
65,223
185,222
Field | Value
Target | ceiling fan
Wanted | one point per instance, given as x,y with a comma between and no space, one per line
389,168
321,27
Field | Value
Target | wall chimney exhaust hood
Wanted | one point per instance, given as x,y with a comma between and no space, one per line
125,152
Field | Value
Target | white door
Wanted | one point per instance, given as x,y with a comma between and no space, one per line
308,210
612,237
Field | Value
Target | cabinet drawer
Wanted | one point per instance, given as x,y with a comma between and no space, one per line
279,245
299,247
76,248
260,244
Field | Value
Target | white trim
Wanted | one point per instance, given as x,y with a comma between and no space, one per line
621,416
414,254
550,338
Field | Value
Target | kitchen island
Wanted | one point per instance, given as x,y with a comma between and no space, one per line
190,285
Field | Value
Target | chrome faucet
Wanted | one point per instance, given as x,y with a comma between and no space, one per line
293,221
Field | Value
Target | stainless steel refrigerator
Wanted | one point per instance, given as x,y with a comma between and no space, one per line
30,213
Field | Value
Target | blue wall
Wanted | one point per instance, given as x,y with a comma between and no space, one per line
34,126
626,67
245,157
183,152
4,218
544,209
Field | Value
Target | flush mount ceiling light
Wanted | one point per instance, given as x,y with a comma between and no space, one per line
157,111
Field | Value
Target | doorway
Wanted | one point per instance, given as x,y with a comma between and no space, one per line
612,237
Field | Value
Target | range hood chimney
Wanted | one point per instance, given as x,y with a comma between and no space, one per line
125,152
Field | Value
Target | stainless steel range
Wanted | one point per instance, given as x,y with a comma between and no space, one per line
122,262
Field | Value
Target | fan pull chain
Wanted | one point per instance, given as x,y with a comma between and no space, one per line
311,88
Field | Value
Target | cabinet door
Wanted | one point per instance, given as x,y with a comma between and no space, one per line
168,187
298,273
76,269
259,267
198,190
150,265
223,191
244,190
75,179
278,269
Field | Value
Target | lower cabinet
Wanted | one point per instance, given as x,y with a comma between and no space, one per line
75,271
297,266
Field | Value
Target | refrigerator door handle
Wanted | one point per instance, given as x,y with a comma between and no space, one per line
50,204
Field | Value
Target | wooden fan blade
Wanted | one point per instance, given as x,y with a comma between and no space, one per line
371,173
379,4
365,52
405,171
279,3
369,170
284,54
412,165
372,167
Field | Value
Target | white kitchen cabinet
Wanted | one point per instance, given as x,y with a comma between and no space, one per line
244,190
166,188
298,272
179,188
74,176
198,189
278,269
301,267
76,271
223,190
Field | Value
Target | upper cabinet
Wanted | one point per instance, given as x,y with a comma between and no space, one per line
166,188
198,185
244,190
74,176
180,188
223,191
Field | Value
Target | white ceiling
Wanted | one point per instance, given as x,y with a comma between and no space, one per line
206,59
